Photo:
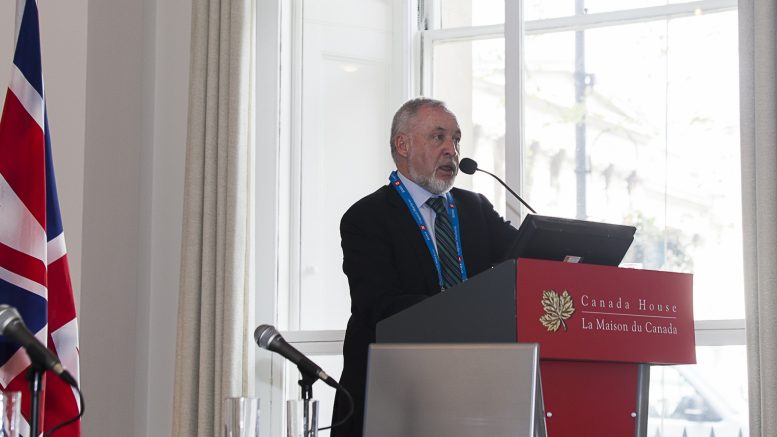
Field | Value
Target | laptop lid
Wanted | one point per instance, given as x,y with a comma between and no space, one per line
562,239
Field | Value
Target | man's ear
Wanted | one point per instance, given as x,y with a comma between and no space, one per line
402,144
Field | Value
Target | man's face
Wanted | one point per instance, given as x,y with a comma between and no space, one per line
431,149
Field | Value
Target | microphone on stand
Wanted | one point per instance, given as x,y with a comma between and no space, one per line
267,337
469,166
13,327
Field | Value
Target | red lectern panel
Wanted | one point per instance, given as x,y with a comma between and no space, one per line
597,313
595,324
587,399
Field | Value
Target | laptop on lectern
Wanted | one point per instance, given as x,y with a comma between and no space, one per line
454,390
577,241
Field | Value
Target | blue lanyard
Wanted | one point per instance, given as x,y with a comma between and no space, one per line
419,220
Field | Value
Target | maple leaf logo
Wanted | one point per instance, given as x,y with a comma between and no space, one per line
557,309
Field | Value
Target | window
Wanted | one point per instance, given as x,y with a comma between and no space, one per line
629,115
623,111
344,95
340,84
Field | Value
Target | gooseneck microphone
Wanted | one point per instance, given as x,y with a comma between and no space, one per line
469,166
267,337
12,326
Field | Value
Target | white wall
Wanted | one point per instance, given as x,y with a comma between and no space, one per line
170,114
112,290
137,79
116,75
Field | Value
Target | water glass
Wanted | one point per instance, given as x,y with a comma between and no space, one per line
11,407
302,418
241,417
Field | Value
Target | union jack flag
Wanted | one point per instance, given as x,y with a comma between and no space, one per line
34,272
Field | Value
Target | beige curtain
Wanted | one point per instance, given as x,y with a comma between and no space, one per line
215,348
758,102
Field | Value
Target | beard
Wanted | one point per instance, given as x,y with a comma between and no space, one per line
430,182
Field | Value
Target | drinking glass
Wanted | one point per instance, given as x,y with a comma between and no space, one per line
241,417
301,418
11,407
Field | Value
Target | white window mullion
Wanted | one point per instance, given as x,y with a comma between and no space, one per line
427,65
466,33
429,14
289,313
406,50
720,332
428,22
272,159
513,32
316,342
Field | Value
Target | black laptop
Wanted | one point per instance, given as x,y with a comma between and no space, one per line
578,241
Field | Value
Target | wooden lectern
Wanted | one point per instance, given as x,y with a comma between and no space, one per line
599,328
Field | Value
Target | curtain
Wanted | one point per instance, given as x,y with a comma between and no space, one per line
758,102
215,347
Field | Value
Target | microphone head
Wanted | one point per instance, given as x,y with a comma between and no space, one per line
264,335
468,166
8,314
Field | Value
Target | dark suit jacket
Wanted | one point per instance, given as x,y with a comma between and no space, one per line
389,268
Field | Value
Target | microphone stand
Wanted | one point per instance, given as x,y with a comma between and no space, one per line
306,392
35,376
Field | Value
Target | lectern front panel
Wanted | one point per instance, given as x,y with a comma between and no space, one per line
452,390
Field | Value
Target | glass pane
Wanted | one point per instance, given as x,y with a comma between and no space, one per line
469,76
346,117
549,124
463,13
544,9
704,162
646,132
325,395
596,6
709,398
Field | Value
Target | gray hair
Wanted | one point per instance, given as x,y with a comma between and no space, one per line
405,113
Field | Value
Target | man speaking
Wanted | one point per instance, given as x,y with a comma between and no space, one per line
412,238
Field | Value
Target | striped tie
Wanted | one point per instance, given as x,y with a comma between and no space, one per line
446,243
